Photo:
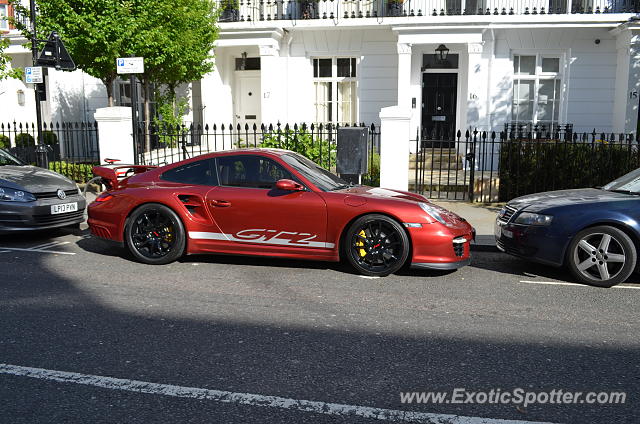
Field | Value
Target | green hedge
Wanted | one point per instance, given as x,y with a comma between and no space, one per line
5,142
24,140
49,138
78,172
309,145
542,165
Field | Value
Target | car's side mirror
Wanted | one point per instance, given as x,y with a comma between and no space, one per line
289,185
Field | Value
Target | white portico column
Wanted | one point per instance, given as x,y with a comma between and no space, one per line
269,78
477,81
115,134
395,123
404,75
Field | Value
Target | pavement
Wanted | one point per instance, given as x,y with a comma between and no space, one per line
481,216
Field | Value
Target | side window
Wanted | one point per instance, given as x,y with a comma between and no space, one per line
199,173
250,171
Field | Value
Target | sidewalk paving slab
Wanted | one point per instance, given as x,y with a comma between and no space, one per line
480,215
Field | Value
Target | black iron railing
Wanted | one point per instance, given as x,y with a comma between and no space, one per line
162,144
496,166
269,10
72,147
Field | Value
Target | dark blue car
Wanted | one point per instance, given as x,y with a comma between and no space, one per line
594,232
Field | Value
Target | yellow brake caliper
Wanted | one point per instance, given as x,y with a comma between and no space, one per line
168,237
360,244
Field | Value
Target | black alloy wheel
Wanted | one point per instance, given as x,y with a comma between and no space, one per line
376,245
155,235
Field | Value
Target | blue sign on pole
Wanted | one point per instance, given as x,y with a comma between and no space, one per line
33,75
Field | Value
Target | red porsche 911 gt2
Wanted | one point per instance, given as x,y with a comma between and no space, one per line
273,203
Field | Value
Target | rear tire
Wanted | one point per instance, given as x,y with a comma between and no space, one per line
154,234
376,245
602,256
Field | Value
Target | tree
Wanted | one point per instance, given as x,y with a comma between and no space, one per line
5,60
95,32
176,39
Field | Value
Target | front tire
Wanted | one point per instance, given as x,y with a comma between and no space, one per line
602,256
154,234
376,245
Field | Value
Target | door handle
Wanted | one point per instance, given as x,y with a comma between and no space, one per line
220,203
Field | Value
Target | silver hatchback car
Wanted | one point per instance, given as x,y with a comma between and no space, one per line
33,198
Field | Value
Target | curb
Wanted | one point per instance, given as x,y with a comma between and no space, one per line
484,248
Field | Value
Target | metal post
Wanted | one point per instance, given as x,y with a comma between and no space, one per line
472,164
34,54
134,116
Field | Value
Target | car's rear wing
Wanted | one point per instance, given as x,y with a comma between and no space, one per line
112,175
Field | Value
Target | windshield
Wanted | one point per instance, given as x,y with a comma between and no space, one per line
7,158
627,183
320,177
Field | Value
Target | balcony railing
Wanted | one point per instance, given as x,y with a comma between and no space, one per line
269,10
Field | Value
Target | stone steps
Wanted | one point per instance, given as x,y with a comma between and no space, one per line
437,158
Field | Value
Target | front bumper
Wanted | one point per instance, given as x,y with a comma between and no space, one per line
535,243
36,215
442,266
439,247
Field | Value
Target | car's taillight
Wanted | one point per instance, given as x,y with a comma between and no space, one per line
104,197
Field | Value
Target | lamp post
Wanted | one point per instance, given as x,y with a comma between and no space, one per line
34,54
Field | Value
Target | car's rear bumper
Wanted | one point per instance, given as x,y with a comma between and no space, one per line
30,216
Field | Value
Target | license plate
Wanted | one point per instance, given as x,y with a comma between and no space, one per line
64,208
499,231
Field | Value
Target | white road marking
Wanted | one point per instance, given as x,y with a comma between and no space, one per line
559,283
50,244
369,277
223,396
43,248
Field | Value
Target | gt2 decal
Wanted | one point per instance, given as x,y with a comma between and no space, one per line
265,236
256,235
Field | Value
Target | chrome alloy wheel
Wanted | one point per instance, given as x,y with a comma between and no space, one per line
599,256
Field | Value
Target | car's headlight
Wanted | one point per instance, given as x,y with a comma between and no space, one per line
432,212
528,218
13,195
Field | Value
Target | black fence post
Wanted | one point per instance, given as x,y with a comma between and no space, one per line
42,159
471,157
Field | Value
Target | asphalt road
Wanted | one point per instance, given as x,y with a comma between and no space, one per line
301,331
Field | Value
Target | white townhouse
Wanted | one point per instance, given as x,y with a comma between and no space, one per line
454,64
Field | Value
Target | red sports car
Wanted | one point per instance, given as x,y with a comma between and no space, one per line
273,203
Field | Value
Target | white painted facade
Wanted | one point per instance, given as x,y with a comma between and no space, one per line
598,56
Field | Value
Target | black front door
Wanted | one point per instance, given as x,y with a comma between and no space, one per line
439,101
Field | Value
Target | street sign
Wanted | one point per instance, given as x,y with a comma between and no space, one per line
55,55
130,65
33,75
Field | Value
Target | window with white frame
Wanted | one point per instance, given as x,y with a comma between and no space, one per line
336,95
4,13
537,89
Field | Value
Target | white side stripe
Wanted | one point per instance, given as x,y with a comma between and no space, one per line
201,235
250,399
